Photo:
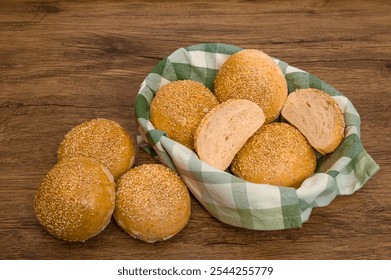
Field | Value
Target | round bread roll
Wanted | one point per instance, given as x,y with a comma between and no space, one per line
75,200
152,203
277,154
179,107
253,75
101,139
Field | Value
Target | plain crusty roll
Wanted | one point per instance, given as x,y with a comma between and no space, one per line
253,75
179,107
101,139
75,200
277,154
317,116
225,129
152,203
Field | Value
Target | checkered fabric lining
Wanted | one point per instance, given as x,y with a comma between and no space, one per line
233,200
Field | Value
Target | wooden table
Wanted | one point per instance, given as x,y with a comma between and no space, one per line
62,63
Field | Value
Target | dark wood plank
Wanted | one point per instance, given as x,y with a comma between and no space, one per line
64,62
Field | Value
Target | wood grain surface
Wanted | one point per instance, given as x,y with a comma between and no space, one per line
65,62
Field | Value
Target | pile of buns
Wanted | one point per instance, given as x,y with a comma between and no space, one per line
233,128
236,127
92,182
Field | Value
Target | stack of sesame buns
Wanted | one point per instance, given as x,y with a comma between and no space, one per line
232,127
78,197
75,200
239,129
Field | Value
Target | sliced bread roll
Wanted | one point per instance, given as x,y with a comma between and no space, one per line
225,129
317,116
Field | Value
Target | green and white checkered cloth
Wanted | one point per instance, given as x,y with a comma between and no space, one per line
233,200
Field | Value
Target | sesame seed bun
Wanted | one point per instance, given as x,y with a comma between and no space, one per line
179,107
152,203
75,200
277,154
253,75
104,140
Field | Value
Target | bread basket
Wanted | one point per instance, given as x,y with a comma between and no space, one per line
233,200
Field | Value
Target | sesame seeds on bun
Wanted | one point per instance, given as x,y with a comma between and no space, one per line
101,139
75,200
277,154
253,75
152,203
179,107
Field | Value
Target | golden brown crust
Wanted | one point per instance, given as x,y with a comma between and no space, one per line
277,154
75,200
101,139
179,107
253,75
152,203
